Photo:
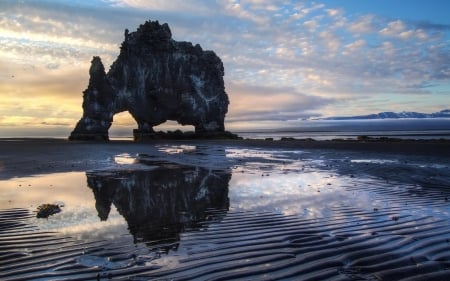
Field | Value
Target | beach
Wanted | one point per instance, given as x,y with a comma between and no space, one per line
363,209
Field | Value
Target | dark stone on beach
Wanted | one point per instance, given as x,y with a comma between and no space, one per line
155,79
287,139
46,210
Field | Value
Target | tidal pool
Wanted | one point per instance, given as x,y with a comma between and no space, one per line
191,210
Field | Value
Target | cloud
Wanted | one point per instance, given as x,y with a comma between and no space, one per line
393,28
355,46
398,29
432,26
256,103
283,60
53,66
311,25
334,12
162,5
362,25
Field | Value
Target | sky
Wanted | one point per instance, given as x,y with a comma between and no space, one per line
284,60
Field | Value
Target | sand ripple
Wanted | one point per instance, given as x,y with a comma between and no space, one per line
351,244
400,231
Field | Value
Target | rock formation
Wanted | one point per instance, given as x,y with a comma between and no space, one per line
155,79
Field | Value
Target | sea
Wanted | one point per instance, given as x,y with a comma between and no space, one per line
435,128
438,128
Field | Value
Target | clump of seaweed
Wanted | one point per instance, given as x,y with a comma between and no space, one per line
46,210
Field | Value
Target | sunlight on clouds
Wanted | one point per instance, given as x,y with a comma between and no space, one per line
24,80
362,25
317,79
331,41
354,46
283,59
193,6
398,29
41,29
285,52
312,8
39,110
43,39
234,8
311,25
333,12
35,96
257,103
124,119
35,121
388,48
393,28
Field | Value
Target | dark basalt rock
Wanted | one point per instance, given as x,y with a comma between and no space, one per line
46,210
155,79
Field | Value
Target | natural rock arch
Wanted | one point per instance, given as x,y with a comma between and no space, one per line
156,79
122,125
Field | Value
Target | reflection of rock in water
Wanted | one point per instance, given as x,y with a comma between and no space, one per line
158,204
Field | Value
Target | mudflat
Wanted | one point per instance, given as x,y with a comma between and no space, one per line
23,156
225,210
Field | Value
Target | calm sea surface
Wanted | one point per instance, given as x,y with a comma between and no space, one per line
331,129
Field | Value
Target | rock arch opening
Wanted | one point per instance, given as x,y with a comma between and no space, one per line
122,126
170,125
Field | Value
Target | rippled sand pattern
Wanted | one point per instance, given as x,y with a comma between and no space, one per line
368,219
352,244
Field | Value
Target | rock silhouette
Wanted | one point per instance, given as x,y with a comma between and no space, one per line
155,79
161,203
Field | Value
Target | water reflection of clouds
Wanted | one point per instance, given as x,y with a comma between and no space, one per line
49,188
264,155
124,158
293,183
78,216
85,224
374,161
177,149
308,194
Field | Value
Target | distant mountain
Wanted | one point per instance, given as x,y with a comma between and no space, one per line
394,115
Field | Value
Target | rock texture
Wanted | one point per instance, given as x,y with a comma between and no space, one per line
156,79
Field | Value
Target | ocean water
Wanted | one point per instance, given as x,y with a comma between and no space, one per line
438,128
351,129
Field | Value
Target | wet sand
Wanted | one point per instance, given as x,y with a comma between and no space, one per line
226,210
31,156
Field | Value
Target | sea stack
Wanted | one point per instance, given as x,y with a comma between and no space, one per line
155,79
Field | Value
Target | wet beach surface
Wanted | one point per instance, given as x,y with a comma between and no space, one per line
225,210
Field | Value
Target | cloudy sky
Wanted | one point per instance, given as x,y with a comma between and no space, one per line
284,60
